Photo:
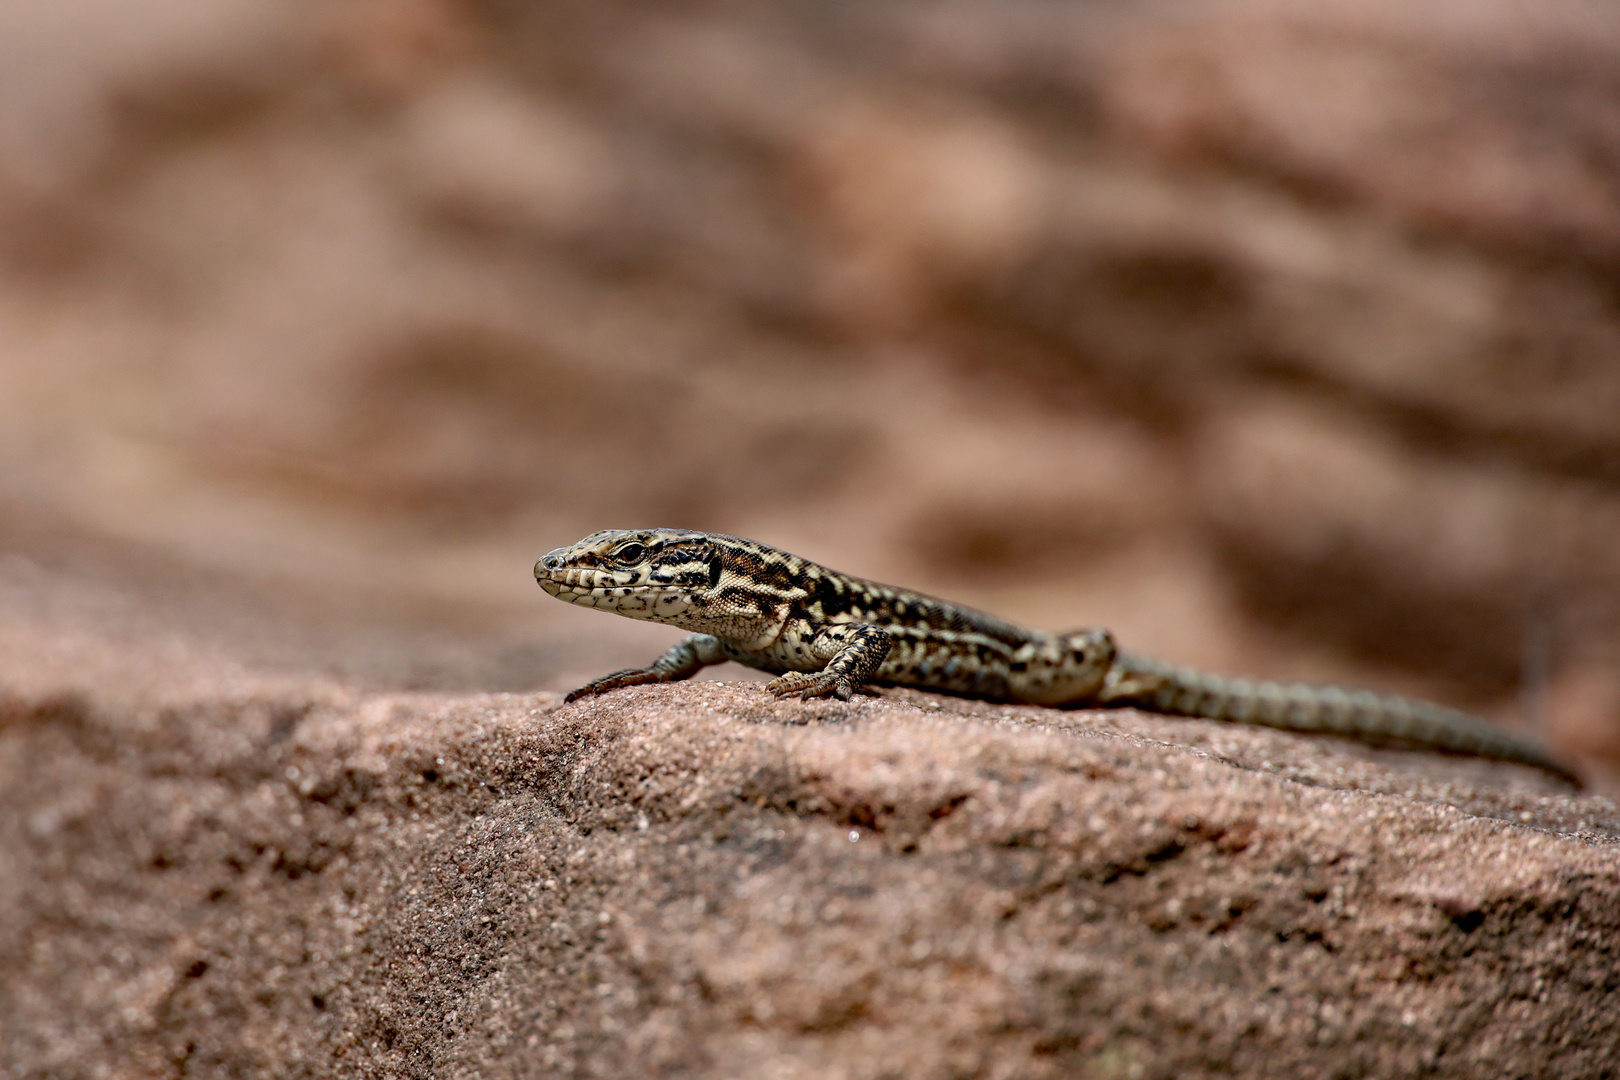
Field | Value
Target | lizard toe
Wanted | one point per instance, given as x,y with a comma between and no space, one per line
794,682
627,677
801,685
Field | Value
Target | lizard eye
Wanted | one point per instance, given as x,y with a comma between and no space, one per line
630,553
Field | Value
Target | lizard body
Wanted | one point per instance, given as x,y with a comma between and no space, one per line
822,632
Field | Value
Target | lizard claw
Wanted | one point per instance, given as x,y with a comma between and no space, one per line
805,686
627,677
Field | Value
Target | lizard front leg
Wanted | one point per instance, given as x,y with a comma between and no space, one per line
853,652
686,659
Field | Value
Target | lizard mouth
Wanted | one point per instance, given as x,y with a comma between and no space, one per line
636,601
575,584
569,592
603,590
568,578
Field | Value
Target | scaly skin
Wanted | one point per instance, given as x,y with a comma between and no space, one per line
826,633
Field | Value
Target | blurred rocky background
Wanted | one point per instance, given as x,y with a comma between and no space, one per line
1282,337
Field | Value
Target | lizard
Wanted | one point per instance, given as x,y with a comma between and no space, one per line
826,633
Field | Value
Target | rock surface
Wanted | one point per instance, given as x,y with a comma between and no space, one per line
216,867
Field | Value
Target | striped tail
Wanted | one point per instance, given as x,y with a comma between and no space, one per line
1160,687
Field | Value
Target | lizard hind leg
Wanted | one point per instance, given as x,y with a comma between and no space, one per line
853,651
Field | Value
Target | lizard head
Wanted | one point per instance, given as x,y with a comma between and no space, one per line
656,574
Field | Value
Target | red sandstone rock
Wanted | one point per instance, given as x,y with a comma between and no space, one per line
216,868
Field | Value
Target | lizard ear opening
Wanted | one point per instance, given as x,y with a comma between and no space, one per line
715,567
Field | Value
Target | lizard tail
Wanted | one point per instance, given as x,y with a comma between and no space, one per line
1160,687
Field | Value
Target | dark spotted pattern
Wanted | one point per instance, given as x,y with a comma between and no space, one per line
829,597
826,633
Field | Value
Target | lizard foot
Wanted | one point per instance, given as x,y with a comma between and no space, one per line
821,684
614,680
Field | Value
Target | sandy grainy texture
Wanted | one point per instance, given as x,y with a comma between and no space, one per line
215,868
